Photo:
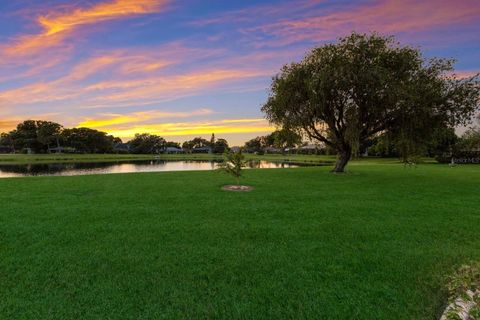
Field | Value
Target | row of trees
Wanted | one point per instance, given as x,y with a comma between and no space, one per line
43,136
216,145
280,139
148,143
442,143
46,136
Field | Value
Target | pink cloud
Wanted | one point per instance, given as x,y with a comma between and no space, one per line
387,16
57,26
298,21
465,74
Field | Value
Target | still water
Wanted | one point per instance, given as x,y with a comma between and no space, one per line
74,169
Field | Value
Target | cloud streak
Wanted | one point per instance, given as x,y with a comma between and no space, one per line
172,129
112,93
387,16
55,23
56,26
318,21
109,120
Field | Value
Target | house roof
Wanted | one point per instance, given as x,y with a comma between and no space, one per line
173,149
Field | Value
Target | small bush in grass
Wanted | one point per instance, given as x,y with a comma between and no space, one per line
233,164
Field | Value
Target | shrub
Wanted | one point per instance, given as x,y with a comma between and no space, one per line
233,164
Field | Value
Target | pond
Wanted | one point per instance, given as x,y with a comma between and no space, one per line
84,168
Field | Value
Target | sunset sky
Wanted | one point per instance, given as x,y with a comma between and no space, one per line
191,68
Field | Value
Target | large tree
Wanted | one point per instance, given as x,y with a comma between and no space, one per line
255,145
197,142
220,146
285,139
49,133
25,136
281,139
346,93
147,143
40,136
36,135
88,140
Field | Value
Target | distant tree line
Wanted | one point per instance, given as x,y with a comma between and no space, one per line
279,140
148,143
46,136
34,136
215,145
50,137
443,143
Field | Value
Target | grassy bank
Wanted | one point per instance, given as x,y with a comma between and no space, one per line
6,159
377,243
66,158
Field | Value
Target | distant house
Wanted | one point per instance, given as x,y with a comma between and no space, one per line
6,149
309,149
61,150
202,150
235,149
174,150
306,149
272,150
121,147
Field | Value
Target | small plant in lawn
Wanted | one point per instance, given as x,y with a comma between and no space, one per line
233,163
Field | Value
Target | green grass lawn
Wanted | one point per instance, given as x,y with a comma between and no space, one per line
64,158
377,243
6,159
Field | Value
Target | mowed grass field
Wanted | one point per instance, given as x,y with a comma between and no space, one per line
376,243
18,159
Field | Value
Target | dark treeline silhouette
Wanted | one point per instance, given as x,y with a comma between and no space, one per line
35,136
277,141
443,144
32,136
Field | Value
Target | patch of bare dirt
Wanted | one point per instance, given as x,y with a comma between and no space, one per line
237,188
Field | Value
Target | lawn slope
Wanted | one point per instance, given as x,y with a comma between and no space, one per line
376,243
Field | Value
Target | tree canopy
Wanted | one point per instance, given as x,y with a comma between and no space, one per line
197,142
281,139
346,93
147,143
40,136
220,146
88,140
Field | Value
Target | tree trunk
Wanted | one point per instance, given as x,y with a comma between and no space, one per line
344,155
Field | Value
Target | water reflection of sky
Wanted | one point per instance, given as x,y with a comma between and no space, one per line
73,169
